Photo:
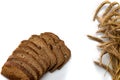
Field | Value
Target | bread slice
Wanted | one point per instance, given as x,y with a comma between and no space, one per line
28,66
66,51
15,70
40,43
63,47
55,49
29,58
31,49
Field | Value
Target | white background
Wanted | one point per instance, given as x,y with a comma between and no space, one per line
71,20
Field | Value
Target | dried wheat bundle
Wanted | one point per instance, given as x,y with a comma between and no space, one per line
109,27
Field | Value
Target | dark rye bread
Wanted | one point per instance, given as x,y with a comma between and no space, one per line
63,47
40,43
35,56
55,49
29,58
33,49
27,66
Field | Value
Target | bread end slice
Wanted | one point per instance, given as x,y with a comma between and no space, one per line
13,71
